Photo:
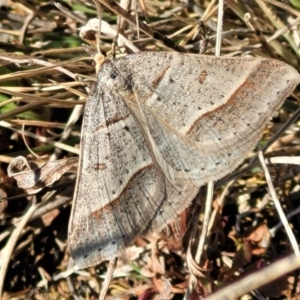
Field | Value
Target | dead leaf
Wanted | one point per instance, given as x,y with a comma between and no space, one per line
34,176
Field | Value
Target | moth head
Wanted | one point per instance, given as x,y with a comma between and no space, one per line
113,78
99,59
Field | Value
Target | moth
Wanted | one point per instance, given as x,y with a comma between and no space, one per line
156,127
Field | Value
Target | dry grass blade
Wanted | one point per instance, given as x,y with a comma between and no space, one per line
8,249
280,211
258,279
113,6
105,285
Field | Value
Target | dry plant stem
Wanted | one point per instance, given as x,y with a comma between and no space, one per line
284,6
49,206
36,10
108,30
269,40
23,108
144,10
207,215
40,138
251,21
44,87
6,159
33,61
64,86
32,98
287,124
276,22
8,232
258,278
125,4
253,161
220,201
27,20
207,13
277,204
181,30
133,291
207,212
44,208
9,247
28,147
110,271
276,227
75,115
45,124
114,7
41,211
294,160
70,268
283,30
219,28
69,13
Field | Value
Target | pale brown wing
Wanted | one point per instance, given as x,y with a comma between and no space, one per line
201,128
119,191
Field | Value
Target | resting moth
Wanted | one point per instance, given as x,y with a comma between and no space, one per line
156,127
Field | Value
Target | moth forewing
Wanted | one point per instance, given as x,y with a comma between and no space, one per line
212,139
119,191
